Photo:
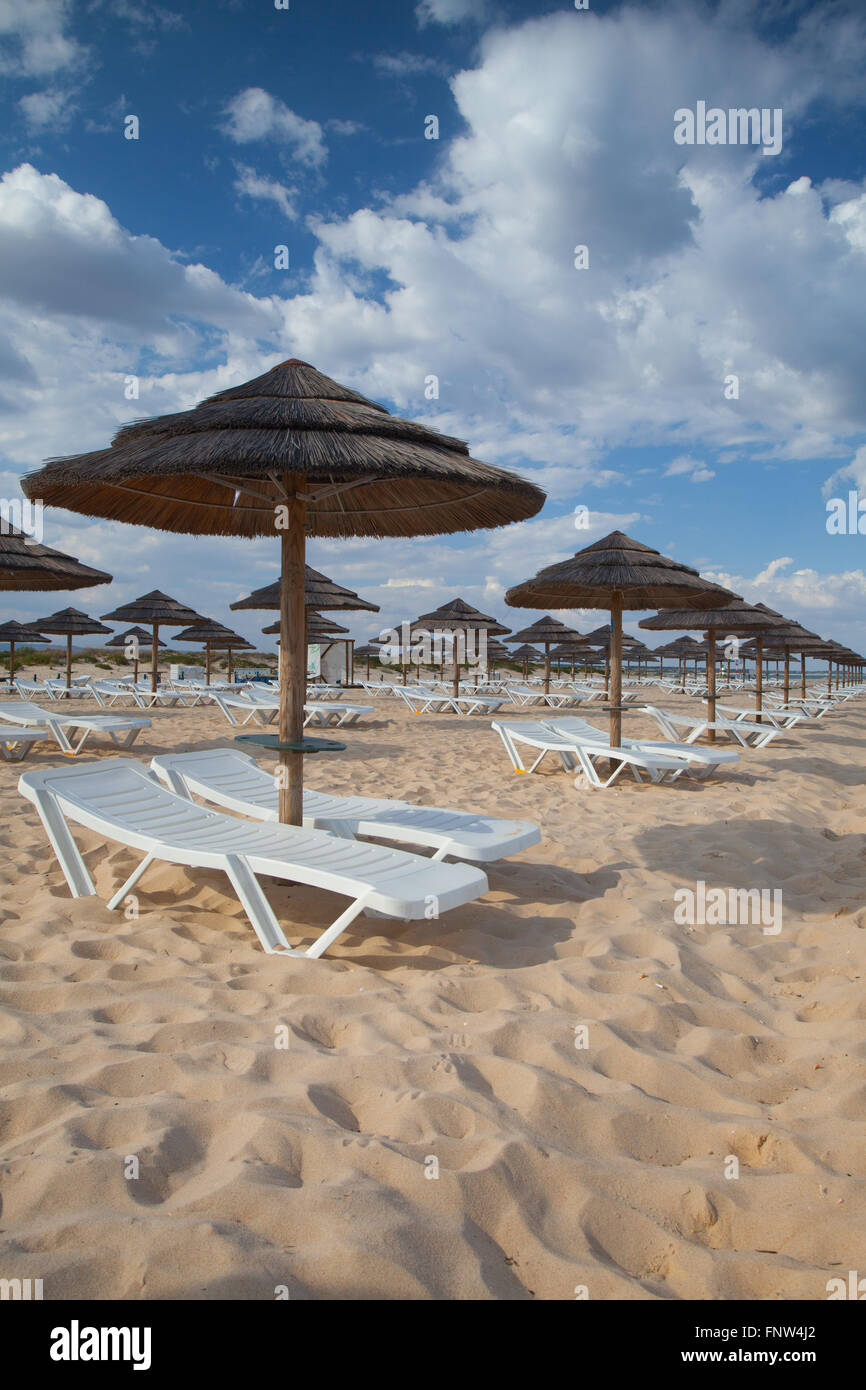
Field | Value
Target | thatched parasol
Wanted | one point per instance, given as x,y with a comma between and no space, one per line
548,631
601,639
13,632
682,648
319,592
154,610
26,564
735,619
526,654
133,636
214,636
617,573
290,453
456,617
69,623
366,652
793,638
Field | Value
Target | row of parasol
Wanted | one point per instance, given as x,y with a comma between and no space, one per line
293,453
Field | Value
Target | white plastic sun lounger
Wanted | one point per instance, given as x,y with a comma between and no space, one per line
782,719
231,778
109,693
576,752
330,712
422,699
531,695
700,761
16,743
123,730
746,734
239,709
123,801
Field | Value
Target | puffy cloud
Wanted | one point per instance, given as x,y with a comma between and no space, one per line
697,268
51,109
252,185
35,39
256,115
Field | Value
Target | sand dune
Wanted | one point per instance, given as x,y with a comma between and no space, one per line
559,1165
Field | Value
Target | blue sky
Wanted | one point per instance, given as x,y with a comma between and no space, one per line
454,257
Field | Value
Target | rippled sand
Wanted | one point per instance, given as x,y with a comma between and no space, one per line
559,1165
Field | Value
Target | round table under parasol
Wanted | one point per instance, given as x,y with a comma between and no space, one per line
616,573
135,636
13,632
290,453
154,610
69,623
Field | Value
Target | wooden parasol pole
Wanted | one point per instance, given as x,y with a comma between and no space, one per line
759,676
711,682
787,686
207,663
154,656
11,665
615,664
293,647
68,660
230,670
547,668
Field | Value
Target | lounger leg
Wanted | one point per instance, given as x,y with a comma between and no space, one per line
67,851
60,735
257,907
130,882
336,929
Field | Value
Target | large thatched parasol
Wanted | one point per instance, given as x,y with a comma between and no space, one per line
26,564
13,632
617,573
290,453
154,610
214,636
69,623
548,632
458,618
131,640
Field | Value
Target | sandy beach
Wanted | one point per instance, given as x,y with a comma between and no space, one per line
581,1067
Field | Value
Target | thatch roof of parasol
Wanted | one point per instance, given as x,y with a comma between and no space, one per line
20,632
155,609
547,630
367,473
139,633
458,615
617,563
319,592
27,564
